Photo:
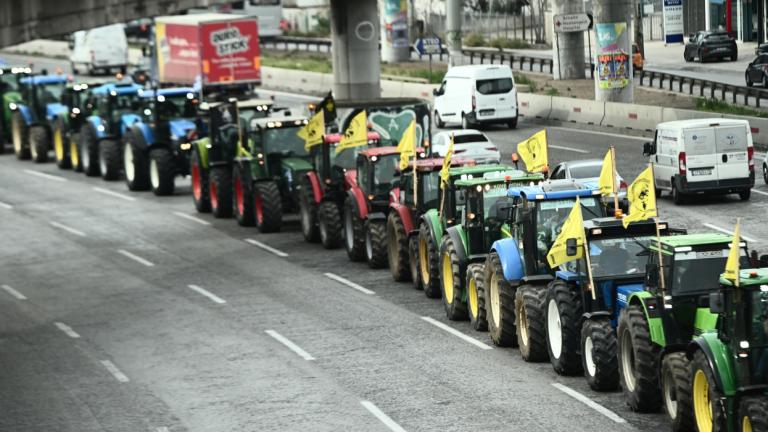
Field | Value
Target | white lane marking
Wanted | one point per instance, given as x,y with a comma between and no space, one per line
599,133
46,176
135,257
67,229
725,231
568,149
115,371
13,292
192,218
114,194
6,206
348,283
589,402
162,429
456,333
266,247
381,416
292,346
207,293
759,192
67,330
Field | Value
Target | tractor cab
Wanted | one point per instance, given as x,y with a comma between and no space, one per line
217,120
114,100
277,149
427,181
332,165
377,171
170,113
43,94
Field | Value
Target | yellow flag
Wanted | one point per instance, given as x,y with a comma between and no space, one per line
533,151
607,182
642,198
444,172
573,228
356,134
313,132
732,265
407,145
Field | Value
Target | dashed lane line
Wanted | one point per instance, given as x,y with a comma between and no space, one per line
568,149
67,330
379,414
192,218
13,292
115,371
114,194
292,346
349,283
589,402
266,247
6,206
206,293
136,258
67,229
456,333
759,192
45,176
729,232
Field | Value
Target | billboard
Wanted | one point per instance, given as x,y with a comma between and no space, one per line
230,51
673,21
613,55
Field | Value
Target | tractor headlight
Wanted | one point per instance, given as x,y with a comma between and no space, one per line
101,128
471,216
161,98
185,146
374,158
487,187
744,344
13,106
260,155
479,188
75,110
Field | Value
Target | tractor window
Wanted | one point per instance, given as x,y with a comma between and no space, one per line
619,256
363,174
346,158
177,106
284,141
552,214
494,199
406,188
51,93
384,173
699,271
759,335
248,114
430,189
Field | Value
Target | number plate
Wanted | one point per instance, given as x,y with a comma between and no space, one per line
701,172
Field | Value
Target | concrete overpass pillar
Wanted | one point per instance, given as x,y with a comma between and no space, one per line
355,39
568,60
453,31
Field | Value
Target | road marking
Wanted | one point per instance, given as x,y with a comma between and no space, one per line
67,229
589,402
599,133
456,333
67,330
207,293
162,429
725,231
568,149
348,283
114,194
135,257
192,218
759,192
13,292
46,176
266,247
391,424
115,371
6,206
292,346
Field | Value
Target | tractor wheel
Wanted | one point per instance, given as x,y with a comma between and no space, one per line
329,221
500,301
308,213
707,410
376,244
753,414
162,171
676,388
429,266
638,361
268,205
476,297
20,136
354,231
220,187
451,283
397,247
39,144
243,205
2,138
74,153
563,315
89,150
109,159
413,261
530,304
60,149
598,355
200,195
135,162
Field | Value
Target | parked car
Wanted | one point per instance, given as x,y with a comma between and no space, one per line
470,144
757,71
637,58
709,45
585,171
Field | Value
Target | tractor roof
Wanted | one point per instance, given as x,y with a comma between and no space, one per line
45,79
749,277
611,226
277,123
336,137
553,189
172,91
380,151
81,86
117,89
15,69
670,245
511,176
478,169
255,103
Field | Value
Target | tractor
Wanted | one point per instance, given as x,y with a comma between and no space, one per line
65,128
31,122
217,150
157,144
729,373
10,85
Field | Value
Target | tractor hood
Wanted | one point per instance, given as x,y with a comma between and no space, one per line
295,164
180,128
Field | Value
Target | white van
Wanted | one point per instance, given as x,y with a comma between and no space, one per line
100,49
702,156
471,95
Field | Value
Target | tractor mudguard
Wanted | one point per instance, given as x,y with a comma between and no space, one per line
377,216
350,179
567,276
459,238
405,215
127,121
26,113
314,183
394,195
180,128
52,110
98,126
720,360
432,219
509,256
538,279
202,149
146,132
649,304
597,314
357,197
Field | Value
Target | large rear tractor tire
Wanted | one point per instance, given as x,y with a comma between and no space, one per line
308,213
20,136
397,248
598,354
413,261
429,262
376,244
530,306
708,413
268,205
220,187
200,195
638,361
451,283
753,414
243,205
353,231
676,388
162,171
39,143
500,304
109,159
330,225
135,162
563,315
60,148
476,297
89,150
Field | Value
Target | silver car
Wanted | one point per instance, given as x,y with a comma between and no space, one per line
585,171
468,144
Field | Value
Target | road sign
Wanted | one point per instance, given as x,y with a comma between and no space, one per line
569,23
427,46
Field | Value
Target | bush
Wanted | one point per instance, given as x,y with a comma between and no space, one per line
474,40
717,106
506,43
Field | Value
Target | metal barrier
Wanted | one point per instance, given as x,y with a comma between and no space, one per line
287,43
706,88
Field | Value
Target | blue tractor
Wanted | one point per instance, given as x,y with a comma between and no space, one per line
115,110
517,272
157,146
40,105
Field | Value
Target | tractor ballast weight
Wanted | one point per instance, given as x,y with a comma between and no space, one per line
31,120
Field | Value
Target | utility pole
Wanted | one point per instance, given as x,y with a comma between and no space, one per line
613,74
453,31
639,37
568,48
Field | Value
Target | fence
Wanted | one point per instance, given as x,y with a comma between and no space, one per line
704,88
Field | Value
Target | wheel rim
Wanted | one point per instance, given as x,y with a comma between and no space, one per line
16,135
304,214
239,196
130,170
523,326
154,174
102,163
424,260
58,144
702,406
323,228
746,424
588,358
197,189
495,300
554,329
393,249
628,361
348,231
259,208
74,157
447,278
670,397
214,191
86,156
368,245
472,297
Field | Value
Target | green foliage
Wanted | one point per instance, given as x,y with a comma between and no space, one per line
474,40
552,92
506,43
309,64
717,106
521,79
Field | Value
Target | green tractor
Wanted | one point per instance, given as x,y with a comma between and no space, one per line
658,322
729,373
10,83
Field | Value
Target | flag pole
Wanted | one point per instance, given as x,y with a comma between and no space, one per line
239,129
415,160
589,272
613,179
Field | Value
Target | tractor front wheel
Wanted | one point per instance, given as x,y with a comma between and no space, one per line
135,163
676,388
476,297
60,149
753,414
89,150
500,303
354,231
200,195
638,361
397,247
162,171
530,303
329,224
564,327
708,412
243,205
598,354
429,266
308,213
376,244
451,283
39,143
413,261
220,187
109,159
20,136
268,205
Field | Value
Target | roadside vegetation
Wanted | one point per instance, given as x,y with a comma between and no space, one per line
476,40
720,107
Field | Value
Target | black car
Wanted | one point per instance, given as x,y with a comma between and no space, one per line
757,71
709,45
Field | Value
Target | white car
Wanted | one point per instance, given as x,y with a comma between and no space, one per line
468,144
585,171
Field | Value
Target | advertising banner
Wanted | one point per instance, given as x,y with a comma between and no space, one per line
178,55
230,52
613,67
673,21
396,23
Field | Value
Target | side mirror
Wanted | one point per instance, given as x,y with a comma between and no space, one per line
716,303
649,149
435,92
571,247
652,275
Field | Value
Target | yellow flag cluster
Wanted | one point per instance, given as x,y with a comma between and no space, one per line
444,171
642,198
573,228
356,134
533,152
732,264
407,145
607,181
312,133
